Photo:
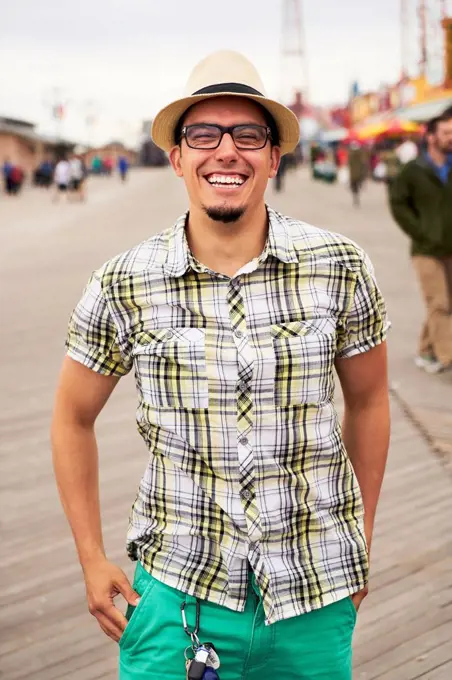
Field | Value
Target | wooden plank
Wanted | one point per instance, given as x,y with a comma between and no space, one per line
423,665
47,631
443,672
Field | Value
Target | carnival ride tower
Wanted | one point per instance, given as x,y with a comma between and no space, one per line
294,69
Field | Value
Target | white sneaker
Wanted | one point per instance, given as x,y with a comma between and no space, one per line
428,364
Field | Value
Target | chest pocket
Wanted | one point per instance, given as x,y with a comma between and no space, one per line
170,367
304,355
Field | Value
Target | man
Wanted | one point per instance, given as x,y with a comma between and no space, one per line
7,169
421,203
358,169
77,177
249,517
123,167
62,178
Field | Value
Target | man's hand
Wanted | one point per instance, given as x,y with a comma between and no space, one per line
357,598
104,581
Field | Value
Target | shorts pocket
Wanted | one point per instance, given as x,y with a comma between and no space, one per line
304,355
170,368
352,609
144,585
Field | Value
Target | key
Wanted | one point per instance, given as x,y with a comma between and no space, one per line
198,664
214,660
196,670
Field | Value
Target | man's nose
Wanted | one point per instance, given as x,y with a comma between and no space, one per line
227,150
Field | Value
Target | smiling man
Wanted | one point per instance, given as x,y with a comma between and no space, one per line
253,521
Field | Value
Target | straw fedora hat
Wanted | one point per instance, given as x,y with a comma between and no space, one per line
224,73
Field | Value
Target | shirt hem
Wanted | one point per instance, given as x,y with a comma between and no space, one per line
292,610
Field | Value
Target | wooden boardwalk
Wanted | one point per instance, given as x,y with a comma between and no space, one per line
46,633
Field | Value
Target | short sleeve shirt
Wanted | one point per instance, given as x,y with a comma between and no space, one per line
235,378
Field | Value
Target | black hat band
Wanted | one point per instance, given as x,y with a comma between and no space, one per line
224,88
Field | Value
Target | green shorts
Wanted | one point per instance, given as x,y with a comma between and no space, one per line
316,646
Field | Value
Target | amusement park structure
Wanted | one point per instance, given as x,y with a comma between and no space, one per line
294,69
422,37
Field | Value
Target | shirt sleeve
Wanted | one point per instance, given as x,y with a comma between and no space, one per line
365,324
92,337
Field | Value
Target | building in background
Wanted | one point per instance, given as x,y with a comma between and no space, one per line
421,96
111,151
23,146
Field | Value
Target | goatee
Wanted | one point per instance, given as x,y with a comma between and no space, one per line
224,214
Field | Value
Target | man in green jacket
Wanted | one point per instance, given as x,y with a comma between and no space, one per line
421,204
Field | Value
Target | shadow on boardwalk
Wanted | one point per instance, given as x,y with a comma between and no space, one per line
405,627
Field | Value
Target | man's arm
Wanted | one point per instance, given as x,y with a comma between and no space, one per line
401,205
366,425
81,395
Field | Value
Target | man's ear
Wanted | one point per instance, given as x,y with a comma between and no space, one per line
175,160
275,161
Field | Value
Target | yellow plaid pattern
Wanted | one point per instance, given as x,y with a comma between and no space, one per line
235,386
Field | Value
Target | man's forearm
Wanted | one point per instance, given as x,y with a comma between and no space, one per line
366,438
75,462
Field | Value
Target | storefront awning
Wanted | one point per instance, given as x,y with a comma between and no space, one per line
421,113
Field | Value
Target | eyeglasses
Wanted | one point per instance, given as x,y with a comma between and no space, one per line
208,137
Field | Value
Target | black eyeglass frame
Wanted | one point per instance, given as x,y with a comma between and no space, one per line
226,130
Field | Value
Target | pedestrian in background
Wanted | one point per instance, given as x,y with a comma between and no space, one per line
255,514
6,172
77,177
97,165
392,164
123,167
16,178
421,203
108,165
43,176
358,167
62,178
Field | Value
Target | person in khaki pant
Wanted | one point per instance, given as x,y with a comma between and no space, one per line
421,203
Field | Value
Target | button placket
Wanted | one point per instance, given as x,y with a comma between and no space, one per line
245,416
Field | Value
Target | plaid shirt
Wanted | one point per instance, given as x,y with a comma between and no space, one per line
235,385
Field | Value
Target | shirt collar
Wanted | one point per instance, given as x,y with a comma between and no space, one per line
447,163
177,259
279,244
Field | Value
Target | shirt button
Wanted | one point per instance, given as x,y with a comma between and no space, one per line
169,335
238,334
246,495
243,441
243,386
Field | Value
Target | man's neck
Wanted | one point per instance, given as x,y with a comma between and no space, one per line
438,157
225,248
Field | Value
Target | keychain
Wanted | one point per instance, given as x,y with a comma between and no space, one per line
192,634
204,664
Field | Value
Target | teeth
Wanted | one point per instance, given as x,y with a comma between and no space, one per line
225,179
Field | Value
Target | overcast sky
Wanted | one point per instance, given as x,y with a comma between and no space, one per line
120,60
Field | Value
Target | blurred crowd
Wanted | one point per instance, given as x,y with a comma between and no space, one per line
66,174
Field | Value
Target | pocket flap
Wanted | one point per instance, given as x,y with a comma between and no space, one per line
292,329
147,341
